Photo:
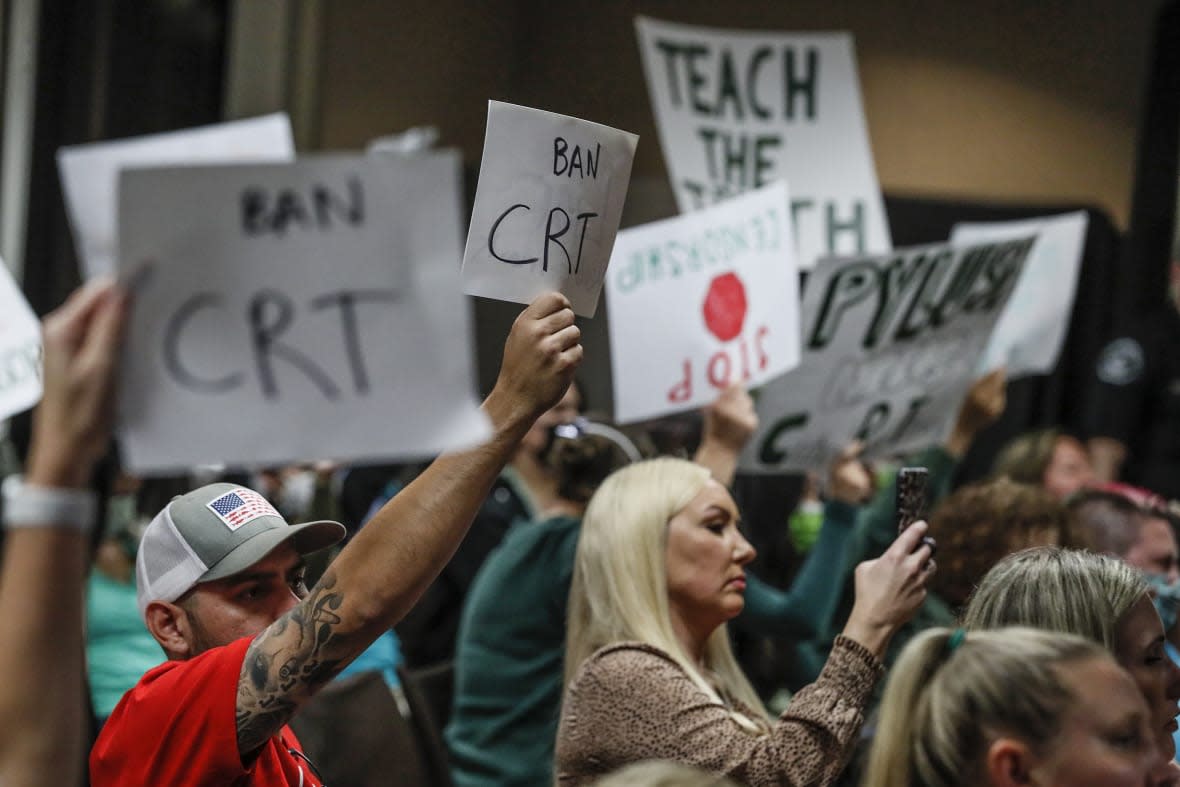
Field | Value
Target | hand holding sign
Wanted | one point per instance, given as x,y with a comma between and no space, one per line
540,358
547,207
72,424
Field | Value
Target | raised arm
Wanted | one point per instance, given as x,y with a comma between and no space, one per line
380,574
729,422
42,702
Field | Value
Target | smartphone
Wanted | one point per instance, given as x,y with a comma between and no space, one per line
911,495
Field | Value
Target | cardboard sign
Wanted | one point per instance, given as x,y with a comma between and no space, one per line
739,109
700,301
1031,331
547,207
295,311
20,349
90,173
890,346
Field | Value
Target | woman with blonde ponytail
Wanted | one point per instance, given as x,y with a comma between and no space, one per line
659,570
1011,707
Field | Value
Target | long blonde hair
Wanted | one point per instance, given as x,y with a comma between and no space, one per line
951,693
619,591
1067,590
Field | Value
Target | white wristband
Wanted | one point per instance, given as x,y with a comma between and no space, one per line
27,505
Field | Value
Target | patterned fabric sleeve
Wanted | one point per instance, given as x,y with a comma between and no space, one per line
632,702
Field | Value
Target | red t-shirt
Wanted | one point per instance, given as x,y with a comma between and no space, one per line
177,728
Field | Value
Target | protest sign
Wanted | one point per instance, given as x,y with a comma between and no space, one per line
738,109
700,301
547,207
20,348
90,173
890,345
1029,336
295,311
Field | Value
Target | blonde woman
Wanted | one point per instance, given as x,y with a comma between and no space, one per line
649,672
1011,707
1094,596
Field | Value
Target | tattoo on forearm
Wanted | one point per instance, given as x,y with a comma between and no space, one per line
287,663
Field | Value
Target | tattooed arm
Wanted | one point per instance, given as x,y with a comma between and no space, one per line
382,572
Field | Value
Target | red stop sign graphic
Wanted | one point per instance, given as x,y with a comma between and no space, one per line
725,306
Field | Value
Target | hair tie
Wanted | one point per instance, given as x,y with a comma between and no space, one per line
955,640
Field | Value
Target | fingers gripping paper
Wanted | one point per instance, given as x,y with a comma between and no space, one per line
547,207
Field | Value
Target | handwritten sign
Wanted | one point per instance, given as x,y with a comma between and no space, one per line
890,346
295,311
547,207
700,301
20,349
1031,331
90,173
739,109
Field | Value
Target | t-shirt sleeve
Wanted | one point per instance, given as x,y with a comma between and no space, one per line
177,727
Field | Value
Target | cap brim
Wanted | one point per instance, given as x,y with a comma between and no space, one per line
307,538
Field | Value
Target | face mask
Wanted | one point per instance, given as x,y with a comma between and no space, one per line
804,525
1166,597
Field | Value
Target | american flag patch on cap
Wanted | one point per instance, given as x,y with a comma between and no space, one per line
240,506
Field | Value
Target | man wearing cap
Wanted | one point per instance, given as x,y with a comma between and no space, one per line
220,584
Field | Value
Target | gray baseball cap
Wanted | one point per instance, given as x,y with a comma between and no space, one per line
214,532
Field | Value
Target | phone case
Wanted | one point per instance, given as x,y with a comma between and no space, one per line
911,495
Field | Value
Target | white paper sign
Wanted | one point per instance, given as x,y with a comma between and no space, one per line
738,109
890,346
295,311
547,207
1031,331
20,349
700,301
90,173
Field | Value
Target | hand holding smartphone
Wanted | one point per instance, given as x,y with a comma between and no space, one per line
911,495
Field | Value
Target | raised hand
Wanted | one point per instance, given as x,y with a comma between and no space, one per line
72,424
849,479
981,407
540,356
890,589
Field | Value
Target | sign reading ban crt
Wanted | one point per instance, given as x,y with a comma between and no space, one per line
547,207
293,312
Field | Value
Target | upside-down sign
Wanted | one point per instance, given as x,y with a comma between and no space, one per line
700,301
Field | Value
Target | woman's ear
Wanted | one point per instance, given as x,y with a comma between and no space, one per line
168,623
1009,763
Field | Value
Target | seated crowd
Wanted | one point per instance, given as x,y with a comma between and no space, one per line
578,593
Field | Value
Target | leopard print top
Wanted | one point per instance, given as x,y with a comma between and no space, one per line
631,702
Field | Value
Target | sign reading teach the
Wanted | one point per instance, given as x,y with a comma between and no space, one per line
701,301
295,311
547,207
739,109
890,346
90,173
20,349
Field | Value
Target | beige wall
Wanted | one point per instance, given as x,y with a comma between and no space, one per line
1018,100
